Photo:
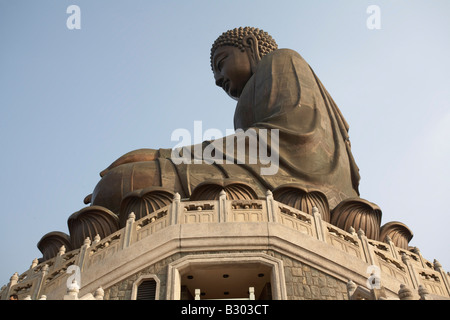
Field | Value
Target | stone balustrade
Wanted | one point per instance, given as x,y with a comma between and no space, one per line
408,267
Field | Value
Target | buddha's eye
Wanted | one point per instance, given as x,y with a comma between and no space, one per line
220,64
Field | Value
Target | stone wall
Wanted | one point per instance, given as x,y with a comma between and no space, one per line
123,289
303,282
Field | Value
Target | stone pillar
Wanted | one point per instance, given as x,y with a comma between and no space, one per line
72,291
318,223
84,253
128,231
271,207
175,209
392,247
99,294
12,282
368,254
438,268
58,258
405,293
411,271
423,293
222,206
37,288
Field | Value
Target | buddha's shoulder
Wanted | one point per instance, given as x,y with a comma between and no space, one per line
284,52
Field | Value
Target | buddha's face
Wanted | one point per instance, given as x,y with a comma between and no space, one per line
232,70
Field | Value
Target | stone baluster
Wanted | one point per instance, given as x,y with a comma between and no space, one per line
405,293
438,267
411,271
127,235
392,247
423,293
175,209
222,206
422,261
318,224
72,291
197,294
34,263
84,253
40,284
99,294
58,258
271,207
12,282
367,250
96,239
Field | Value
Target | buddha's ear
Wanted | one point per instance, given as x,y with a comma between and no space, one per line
251,45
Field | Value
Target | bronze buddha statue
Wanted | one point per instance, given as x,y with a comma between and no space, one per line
276,91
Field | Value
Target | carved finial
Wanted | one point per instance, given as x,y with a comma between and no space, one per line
43,297
405,293
14,278
351,230
96,239
34,263
423,292
436,265
222,193
361,232
62,250
99,293
416,250
405,258
315,210
269,193
87,241
387,239
28,297
177,197
73,287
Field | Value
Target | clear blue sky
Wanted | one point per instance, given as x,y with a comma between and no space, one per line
73,101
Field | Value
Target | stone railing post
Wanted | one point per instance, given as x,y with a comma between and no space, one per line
222,206
405,293
417,251
318,224
411,271
392,247
368,253
271,208
438,268
83,253
58,258
128,231
175,209
12,282
72,291
99,294
39,284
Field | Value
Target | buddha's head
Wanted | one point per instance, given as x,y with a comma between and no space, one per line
235,55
